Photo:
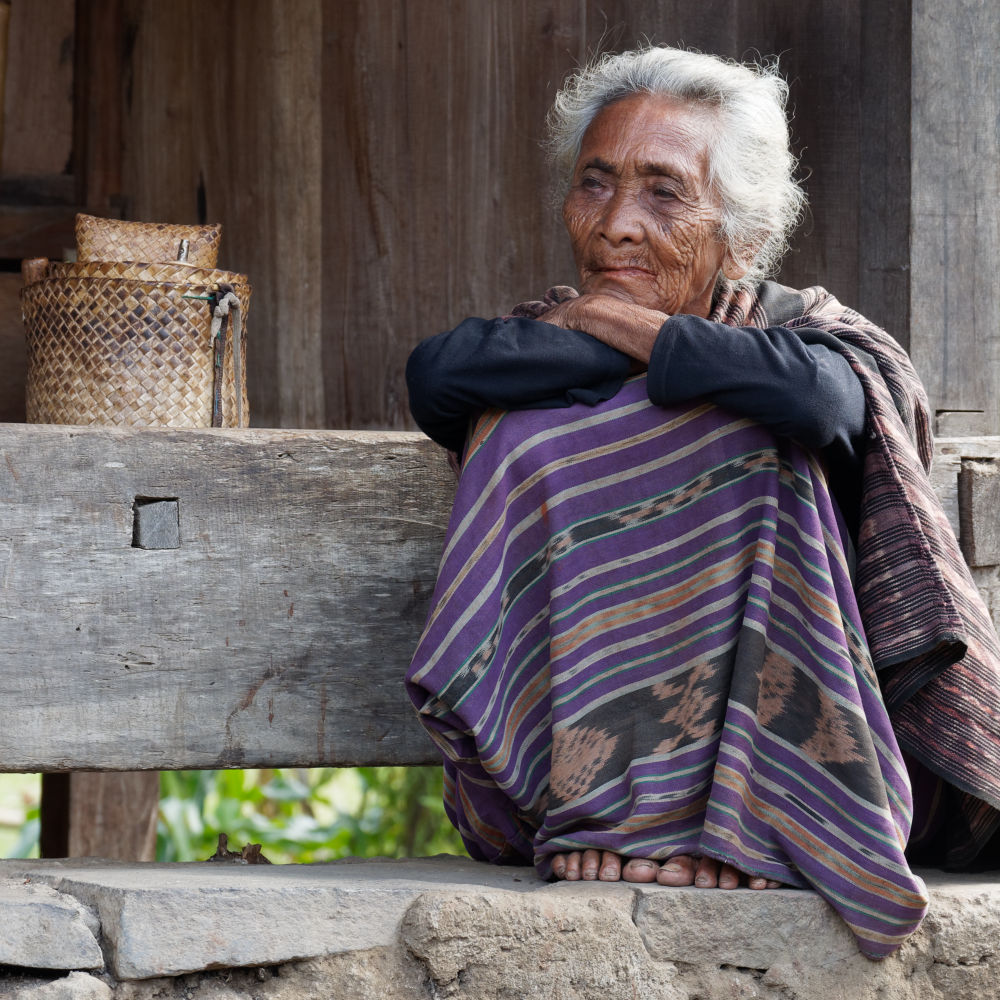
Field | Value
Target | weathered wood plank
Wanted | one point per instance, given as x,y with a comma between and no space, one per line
236,86
38,97
955,237
277,633
949,453
100,91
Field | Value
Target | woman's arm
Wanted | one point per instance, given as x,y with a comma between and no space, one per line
511,363
798,388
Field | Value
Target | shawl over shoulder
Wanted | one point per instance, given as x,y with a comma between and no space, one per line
931,637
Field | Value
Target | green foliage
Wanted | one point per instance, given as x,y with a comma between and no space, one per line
302,815
19,810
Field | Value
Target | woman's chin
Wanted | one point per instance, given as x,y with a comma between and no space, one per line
635,287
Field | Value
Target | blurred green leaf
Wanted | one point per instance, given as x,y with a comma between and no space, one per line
302,815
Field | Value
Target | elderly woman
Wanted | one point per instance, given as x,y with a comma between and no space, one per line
697,591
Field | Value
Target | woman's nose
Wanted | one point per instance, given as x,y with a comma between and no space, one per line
622,221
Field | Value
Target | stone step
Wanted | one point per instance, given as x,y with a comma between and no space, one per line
451,927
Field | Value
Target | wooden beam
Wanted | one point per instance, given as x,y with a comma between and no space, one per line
276,633
955,230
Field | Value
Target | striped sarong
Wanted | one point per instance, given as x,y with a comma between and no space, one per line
644,639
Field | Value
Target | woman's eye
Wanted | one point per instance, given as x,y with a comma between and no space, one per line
663,193
591,183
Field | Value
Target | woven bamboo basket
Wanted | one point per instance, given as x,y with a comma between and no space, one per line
115,240
133,344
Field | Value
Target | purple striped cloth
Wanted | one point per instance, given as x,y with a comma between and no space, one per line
644,638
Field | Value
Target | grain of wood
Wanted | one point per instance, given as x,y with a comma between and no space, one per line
949,454
236,87
955,296
277,634
13,355
38,98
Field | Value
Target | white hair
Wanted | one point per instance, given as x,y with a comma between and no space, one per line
751,166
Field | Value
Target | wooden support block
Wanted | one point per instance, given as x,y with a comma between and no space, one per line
155,524
979,512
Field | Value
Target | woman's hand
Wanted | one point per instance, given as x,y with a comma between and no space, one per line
619,322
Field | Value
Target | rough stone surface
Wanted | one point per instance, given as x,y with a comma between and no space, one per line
43,929
75,986
785,923
167,920
453,929
498,947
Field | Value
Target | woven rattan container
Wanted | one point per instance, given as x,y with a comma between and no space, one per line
133,344
115,240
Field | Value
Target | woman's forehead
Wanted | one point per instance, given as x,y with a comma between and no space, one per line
649,134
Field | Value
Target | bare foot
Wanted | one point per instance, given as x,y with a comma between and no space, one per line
705,873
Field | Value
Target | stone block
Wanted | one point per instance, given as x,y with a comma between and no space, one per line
75,986
785,923
44,929
167,920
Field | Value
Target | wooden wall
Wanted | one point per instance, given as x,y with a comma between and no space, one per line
436,197
376,166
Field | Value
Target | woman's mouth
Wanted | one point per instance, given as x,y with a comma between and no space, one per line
623,271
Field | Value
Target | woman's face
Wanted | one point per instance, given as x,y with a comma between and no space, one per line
641,214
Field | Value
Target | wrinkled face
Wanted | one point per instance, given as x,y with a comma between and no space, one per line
640,213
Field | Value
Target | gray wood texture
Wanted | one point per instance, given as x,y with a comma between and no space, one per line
277,634
955,213
223,125
38,104
950,454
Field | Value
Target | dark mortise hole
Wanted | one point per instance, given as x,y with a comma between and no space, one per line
156,523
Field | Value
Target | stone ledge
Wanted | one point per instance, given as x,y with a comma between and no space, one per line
450,927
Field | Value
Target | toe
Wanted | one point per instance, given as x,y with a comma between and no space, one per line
559,865
640,870
611,867
706,875
729,877
589,865
573,866
677,871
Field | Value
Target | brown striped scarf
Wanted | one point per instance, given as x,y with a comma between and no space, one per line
931,637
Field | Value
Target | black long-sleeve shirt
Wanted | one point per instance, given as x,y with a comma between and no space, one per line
792,381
